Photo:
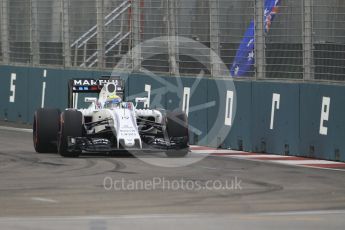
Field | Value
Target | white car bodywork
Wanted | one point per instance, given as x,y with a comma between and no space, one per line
122,118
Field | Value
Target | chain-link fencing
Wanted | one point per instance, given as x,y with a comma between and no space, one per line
261,39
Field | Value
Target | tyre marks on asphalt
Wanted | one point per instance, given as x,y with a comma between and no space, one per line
17,162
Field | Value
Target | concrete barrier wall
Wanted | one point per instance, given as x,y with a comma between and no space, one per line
300,119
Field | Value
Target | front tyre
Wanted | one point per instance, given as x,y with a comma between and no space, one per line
71,126
45,130
177,131
174,153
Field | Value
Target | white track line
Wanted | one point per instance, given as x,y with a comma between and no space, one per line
169,216
211,151
41,199
296,213
15,129
257,156
307,162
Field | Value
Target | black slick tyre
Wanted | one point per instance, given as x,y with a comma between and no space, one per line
45,130
71,126
177,129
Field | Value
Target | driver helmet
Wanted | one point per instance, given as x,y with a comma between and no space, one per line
112,101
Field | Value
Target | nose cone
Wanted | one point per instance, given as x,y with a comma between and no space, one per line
129,143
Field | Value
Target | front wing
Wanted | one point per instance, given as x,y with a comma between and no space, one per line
105,145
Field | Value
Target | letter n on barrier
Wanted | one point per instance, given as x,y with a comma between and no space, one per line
326,103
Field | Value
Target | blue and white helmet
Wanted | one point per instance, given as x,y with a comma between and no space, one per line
112,101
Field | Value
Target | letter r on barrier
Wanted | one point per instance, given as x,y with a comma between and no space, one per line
275,106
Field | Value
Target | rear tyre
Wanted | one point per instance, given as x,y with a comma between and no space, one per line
71,126
45,130
177,130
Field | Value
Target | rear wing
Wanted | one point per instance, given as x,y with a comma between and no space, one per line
87,85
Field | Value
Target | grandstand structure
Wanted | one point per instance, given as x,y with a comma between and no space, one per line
305,41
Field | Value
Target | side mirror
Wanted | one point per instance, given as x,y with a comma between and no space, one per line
141,100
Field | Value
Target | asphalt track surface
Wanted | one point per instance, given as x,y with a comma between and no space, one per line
46,191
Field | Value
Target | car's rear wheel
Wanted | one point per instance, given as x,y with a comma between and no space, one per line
71,126
45,130
177,131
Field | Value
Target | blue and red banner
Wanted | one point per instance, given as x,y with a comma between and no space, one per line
245,56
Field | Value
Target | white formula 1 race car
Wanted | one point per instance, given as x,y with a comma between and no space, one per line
109,124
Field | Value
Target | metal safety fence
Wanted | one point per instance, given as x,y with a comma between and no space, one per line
261,39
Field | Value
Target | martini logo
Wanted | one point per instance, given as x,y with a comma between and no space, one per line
92,82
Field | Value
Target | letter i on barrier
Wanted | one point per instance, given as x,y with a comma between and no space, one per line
185,102
229,107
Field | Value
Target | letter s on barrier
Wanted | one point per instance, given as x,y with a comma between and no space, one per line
13,88
326,103
275,106
229,104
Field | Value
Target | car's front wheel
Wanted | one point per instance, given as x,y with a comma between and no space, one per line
71,126
177,131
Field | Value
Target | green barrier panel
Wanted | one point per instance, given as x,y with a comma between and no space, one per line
218,127
322,116
309,120
36,88
56,88
137,85
191,94
4,92
240,137
275,117
17,109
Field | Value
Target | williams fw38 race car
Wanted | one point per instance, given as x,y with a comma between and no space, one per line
109,124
